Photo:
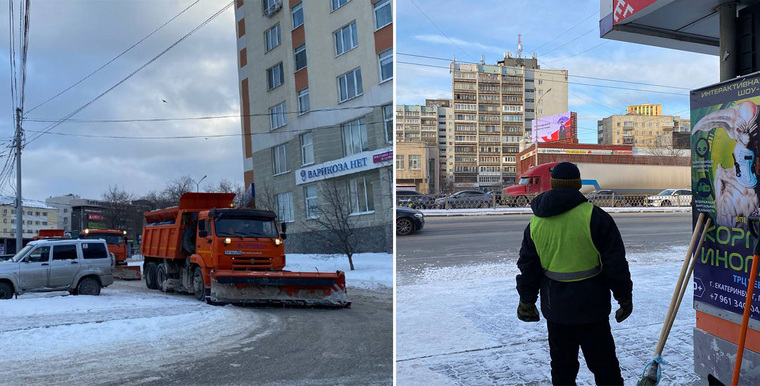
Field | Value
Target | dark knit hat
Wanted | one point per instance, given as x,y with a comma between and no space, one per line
566,175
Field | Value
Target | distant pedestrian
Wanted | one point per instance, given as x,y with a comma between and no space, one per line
573,255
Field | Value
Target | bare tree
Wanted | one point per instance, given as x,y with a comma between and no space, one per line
334,225
227,186
266,199
663,148
118,208
176,188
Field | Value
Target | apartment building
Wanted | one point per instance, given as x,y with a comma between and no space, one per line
645,109
37,215
493,108
317,112
640,130
76,213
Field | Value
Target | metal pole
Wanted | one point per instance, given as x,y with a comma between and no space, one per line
19,202
729,56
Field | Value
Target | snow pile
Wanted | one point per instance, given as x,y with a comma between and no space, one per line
458,326
371,270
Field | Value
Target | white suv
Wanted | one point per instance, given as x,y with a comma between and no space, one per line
81,267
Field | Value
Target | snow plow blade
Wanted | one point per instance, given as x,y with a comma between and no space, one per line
280,287
125,272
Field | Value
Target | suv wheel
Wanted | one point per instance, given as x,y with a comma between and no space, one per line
404,226
199,289
665,203
88,286
6,291
150,276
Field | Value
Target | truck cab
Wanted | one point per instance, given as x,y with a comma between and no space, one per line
533,182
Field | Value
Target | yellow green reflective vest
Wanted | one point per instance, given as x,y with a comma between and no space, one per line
564,244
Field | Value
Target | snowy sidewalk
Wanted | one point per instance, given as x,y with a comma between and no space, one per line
458,326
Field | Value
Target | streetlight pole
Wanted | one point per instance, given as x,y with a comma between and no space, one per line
198,184
535,132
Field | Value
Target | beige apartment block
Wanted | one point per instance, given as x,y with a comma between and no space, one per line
646,131
494,106
645,109
416,166
37,215
316,87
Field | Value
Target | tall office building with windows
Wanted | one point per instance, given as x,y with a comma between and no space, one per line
494,106
317,112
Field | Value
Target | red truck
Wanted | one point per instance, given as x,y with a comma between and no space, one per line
624,179
223,254
117,244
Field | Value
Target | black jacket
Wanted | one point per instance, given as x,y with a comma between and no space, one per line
583,301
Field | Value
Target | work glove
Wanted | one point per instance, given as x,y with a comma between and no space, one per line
626,307
527,312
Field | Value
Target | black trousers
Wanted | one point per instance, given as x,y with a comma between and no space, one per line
595,339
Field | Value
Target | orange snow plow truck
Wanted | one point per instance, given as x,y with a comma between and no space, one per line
117,244
223,254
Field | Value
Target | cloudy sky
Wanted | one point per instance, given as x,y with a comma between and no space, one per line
564,35
68,40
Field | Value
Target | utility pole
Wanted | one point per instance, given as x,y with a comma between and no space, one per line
19,202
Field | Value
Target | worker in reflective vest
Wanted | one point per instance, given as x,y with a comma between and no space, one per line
573,255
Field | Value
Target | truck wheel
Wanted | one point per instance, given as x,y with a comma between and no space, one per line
88,286
522,201
199,289
161,277
150,275
6,291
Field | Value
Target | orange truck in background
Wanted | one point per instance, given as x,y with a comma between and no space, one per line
117,244
223,254
50,234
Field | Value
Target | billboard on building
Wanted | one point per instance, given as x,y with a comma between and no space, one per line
725,145
552,128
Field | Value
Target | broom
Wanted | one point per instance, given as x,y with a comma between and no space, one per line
652,373
747,309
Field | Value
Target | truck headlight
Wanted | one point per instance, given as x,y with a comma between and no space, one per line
277,242
227,240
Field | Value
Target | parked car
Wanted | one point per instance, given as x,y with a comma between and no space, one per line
606,198
413,199
670,197
408,221
465,199
81,267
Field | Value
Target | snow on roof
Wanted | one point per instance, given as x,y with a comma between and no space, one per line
11,200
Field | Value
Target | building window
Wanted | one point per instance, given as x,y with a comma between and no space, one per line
345,39
307,149
297,12
354,137
280,159
360,192
386,65
415,162
383,15
285,207
275,77
311,201
388,122
272,37
277,116
350,85
303,101
399,162
300,55
338,3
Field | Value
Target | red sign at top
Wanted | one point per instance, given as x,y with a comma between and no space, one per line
626,8
382,157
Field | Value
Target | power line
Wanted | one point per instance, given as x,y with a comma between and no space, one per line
439,30
51,127
114,59
199,118
571,28
583,52
580,36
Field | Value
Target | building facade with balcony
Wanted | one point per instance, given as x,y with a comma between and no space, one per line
317,110
493,110
36,215
646,131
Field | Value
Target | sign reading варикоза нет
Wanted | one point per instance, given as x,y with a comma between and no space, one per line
725,145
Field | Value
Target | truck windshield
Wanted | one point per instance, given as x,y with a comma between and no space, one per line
524,180
22,253
245,227
110,238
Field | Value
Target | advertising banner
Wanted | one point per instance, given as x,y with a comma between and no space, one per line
552,128
725,163
95,217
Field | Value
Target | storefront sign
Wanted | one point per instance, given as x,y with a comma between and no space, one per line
364,161
724,182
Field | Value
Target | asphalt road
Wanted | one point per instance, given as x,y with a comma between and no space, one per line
464,240
306,347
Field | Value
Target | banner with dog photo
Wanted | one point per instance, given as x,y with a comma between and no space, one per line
725,163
